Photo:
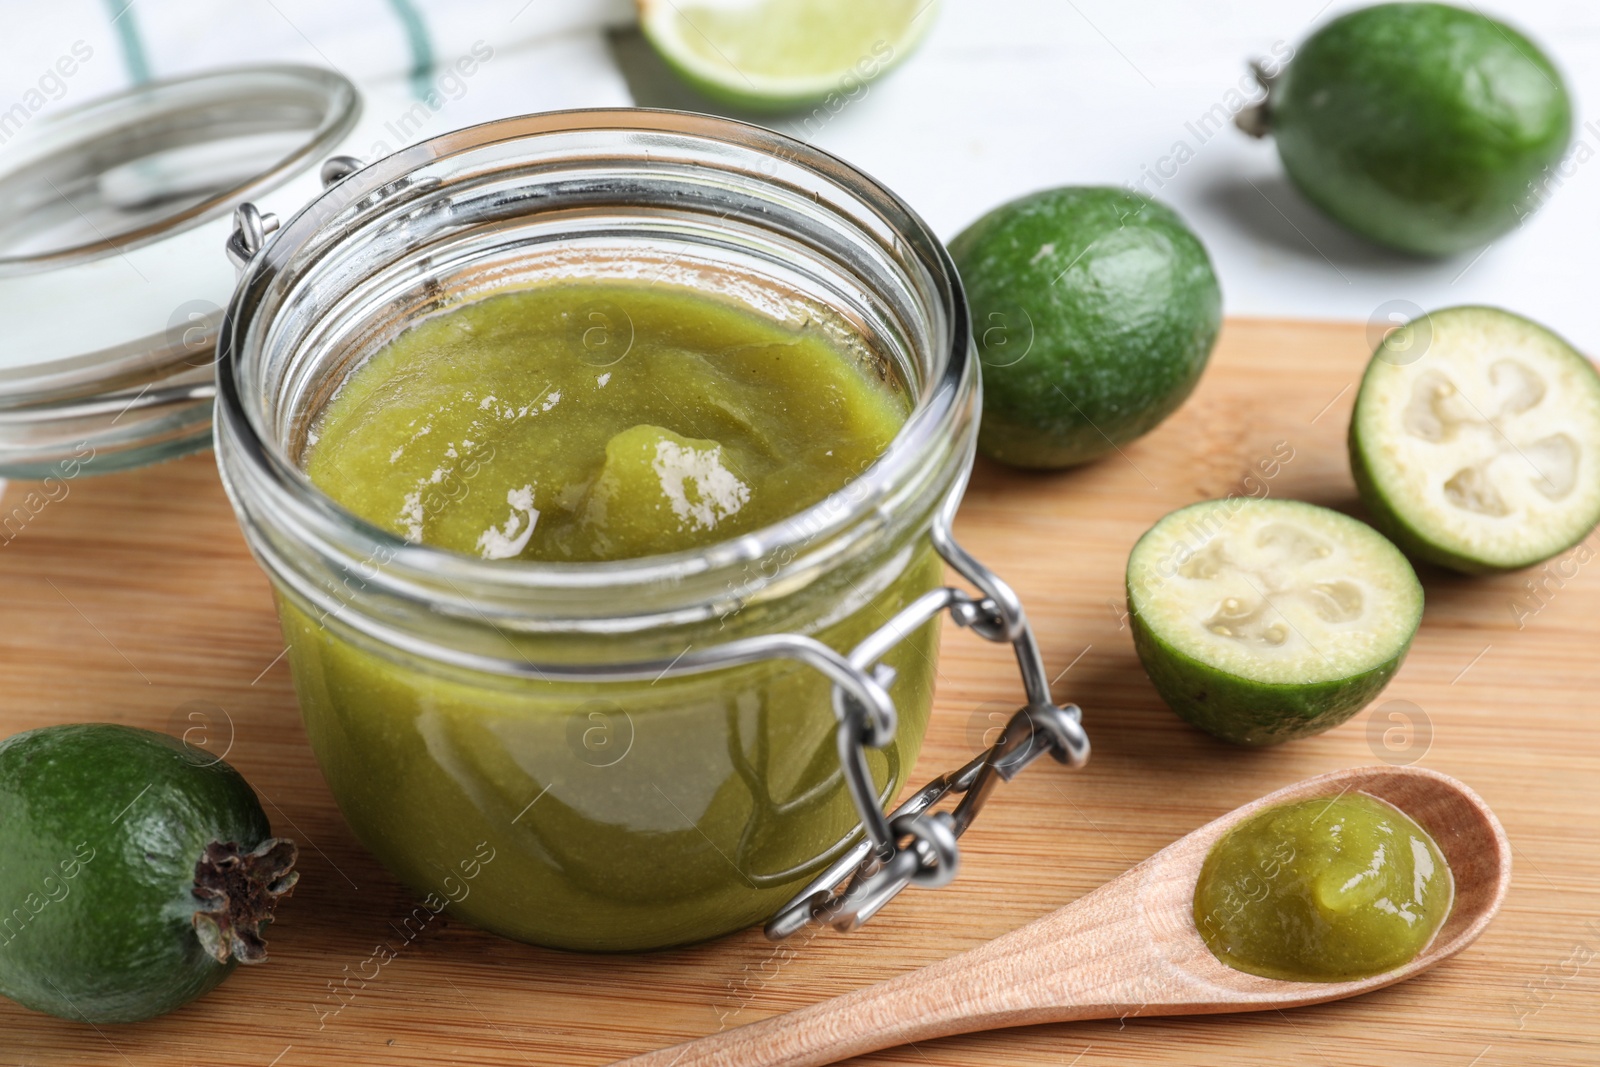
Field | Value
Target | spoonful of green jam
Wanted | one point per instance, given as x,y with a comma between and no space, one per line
1334,886
1323,891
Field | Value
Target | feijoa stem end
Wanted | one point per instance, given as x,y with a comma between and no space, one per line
237,892
1256,120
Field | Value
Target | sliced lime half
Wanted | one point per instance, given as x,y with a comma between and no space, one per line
775,55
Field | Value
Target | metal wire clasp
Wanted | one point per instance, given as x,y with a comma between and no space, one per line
913,845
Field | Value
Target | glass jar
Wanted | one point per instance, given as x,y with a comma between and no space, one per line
626,754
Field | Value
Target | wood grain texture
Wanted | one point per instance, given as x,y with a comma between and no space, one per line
1130,948
132,599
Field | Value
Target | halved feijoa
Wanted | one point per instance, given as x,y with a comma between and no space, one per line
1261,621
1475,440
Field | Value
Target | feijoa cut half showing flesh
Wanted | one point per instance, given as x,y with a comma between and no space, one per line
1261,621
1475,440
135,871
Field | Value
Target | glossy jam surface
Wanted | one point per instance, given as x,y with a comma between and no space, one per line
594,423
1323,890
598,422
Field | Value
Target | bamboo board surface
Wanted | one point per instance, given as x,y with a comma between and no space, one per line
132,599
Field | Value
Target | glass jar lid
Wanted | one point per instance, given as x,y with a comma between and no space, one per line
112,272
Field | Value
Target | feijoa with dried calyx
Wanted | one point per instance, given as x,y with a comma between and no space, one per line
1475,440
1428,128
135,872
1260,621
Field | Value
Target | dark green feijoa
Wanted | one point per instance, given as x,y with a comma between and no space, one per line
1261,621
1423,127
1475,440
135,871
1094,310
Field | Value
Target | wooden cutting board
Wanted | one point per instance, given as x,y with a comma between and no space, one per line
132,599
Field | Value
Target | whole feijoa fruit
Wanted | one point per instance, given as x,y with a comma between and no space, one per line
135,871
1094,310
1424,127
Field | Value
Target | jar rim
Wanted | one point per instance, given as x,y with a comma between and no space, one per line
947,396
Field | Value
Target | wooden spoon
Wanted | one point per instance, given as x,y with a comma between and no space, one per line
1128,948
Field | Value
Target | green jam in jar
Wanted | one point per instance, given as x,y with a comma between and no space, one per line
599,423
588,422
1323,891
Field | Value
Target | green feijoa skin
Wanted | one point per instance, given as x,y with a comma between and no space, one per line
1475,440
136,872
1424,127
1094,311
1330,889
1261,621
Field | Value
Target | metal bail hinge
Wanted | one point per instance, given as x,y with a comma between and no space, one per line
913,845
249,236
251,225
